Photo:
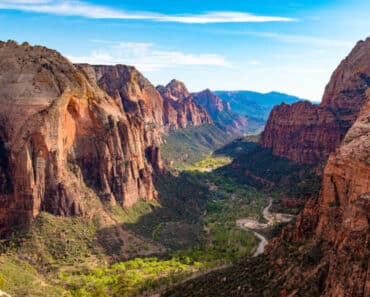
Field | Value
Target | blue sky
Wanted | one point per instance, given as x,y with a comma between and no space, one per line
287,46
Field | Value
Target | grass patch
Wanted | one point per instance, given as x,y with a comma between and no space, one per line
133,214
190,145
209,164
19,278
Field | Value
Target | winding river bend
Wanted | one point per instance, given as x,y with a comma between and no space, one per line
253,225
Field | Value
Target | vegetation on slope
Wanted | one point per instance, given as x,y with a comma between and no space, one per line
194,221
130,278
193,144
190,229
209,164
258,167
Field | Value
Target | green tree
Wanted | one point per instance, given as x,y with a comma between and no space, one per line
121,287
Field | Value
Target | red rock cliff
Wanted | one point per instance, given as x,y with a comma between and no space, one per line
139,97
181,109
308,133
170,110
336,225
62,138
209,101
221,112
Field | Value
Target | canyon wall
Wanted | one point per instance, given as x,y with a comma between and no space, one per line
335,227
63,139
182,110
307,133
69,131
325,252
221,112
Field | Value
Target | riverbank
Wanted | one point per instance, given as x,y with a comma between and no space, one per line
254,225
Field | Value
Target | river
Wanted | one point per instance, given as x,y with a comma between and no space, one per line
271,218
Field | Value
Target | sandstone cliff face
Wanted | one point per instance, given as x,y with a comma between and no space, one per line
138,96
344,212
220,112
169,109
307,133
175,90
209,101
336,225
181,109
63,138
302,132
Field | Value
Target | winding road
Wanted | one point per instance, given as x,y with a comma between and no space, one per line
271,218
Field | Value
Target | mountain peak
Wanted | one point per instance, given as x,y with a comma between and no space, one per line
209,100
175,90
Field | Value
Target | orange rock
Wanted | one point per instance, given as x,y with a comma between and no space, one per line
63,138
308,133
180,108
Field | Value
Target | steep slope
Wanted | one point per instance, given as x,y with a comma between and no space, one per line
64,141
126,84
140,97
337,223
184,111
209,101
307,133
220,112
175,90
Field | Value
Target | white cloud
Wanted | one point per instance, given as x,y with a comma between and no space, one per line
223,17
84,9
146,57
25,1
289,38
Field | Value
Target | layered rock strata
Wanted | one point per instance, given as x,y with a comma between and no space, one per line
181,109
307,133
62,136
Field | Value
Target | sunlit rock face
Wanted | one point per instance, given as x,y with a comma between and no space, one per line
308,133
221,112
63,138
181,110
333,229
336,225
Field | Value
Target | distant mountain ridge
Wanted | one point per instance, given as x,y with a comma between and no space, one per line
221,112
255,105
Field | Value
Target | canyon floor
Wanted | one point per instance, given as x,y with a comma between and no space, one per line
73,257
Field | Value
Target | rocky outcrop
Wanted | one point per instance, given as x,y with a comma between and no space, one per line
138,96
301,132
175,90
209,101
63,139
181,110
335,226
168,108
308,133
220,112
